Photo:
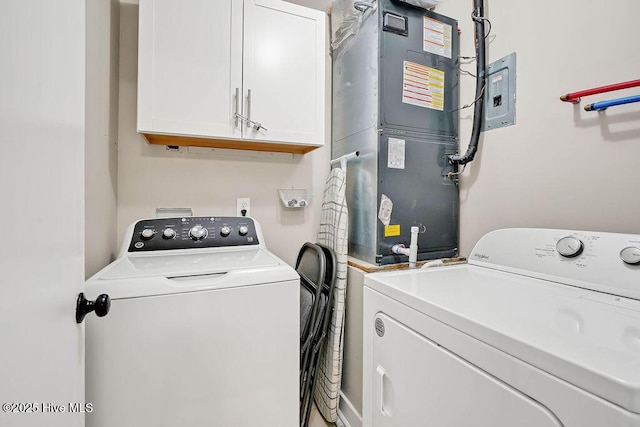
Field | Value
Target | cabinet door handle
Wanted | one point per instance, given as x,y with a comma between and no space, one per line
248,108
236,115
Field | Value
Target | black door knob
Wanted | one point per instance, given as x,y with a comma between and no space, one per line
101,306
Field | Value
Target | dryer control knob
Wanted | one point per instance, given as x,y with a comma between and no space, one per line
169,233
225,231
569,247
147,234
243,230
198,232
630,255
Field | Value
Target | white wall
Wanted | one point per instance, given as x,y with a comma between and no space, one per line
559,166
151,177
101,131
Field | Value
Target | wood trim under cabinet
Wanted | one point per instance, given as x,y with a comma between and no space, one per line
226,143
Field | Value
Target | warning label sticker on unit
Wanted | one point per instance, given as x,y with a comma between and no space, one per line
392,230
436,37
396,153
422,86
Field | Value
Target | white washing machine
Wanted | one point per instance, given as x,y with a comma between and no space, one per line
540,328
203,329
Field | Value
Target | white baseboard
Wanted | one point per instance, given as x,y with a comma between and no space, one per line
348,416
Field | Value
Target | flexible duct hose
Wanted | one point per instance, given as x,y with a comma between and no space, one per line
478,17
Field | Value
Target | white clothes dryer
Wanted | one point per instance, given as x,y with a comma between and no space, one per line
540,328
203,329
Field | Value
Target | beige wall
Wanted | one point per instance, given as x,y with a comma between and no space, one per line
101,131
151,177
559,166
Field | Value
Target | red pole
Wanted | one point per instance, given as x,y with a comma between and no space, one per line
574,97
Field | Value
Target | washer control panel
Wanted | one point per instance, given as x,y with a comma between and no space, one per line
192,233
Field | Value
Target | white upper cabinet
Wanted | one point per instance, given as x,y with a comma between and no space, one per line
189,62
284,69
232,74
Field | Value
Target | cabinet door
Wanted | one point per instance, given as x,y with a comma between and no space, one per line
284,70
190,65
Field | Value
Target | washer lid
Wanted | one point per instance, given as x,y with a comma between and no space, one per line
587,338
170,272
181,263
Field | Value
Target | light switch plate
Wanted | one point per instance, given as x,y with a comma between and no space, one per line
500,94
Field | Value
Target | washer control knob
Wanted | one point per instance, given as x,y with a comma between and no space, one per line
225,231
569,247
243,230
169,233
630,255
147,234
198,232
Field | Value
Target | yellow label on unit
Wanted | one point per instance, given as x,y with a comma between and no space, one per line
391,230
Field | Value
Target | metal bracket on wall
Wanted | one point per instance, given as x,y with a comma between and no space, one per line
500,94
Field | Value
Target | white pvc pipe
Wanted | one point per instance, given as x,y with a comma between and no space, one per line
413,247
400,250
412,251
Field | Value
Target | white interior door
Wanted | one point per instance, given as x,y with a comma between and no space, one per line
42,102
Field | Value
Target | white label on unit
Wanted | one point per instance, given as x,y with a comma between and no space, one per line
396,153
437,37
386,207
422,86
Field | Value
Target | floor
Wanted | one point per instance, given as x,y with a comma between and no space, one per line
316,420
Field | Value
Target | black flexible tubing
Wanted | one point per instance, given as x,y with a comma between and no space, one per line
478,17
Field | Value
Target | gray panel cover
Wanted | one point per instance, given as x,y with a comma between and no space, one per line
421,196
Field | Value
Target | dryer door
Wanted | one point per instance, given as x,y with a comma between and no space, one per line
419,383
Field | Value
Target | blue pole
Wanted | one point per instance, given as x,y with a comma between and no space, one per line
603,105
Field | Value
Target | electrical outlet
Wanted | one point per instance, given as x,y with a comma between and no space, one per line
243,206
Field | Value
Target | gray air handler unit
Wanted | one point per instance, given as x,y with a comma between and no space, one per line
395,100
